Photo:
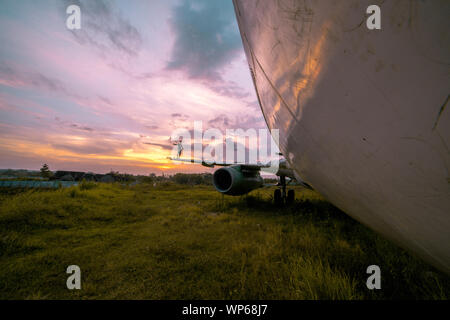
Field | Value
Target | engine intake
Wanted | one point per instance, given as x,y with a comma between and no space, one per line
235,181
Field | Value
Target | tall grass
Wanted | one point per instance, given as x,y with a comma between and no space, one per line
174,242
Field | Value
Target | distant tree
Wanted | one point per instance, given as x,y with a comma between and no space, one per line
181,178
148,179
192,178
45,171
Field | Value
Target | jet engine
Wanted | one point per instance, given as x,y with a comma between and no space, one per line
237,180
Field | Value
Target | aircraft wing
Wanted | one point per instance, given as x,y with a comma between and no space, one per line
203,163
245,166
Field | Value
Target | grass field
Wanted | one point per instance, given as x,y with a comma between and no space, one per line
183,242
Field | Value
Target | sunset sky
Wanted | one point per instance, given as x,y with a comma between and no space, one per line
109,95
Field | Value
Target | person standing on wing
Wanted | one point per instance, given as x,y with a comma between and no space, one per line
179,143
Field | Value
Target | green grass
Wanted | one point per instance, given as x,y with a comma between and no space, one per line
179,242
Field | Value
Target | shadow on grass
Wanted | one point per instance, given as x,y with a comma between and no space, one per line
351,247
315,209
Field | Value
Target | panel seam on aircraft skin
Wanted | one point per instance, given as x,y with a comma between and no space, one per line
441,111
268,80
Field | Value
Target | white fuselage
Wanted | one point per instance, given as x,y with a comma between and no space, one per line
361,113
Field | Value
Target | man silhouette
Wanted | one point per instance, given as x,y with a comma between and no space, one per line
179,143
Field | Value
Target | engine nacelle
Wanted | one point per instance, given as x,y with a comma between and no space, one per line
235,181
